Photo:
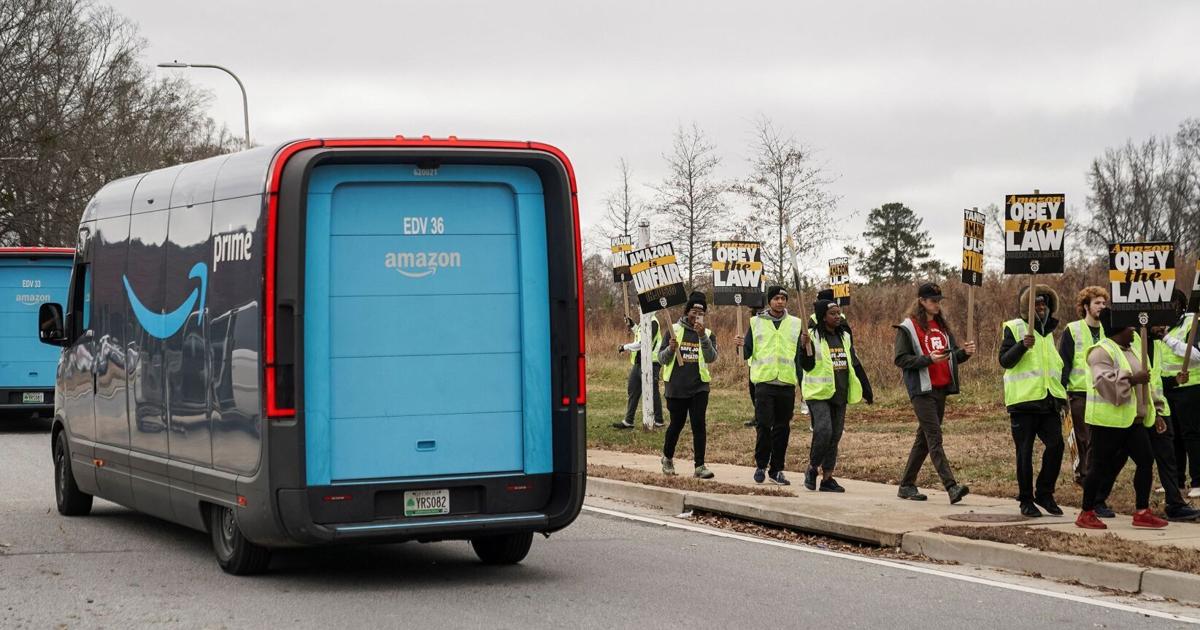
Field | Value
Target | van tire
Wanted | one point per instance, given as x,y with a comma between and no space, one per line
70,500
505,549
235,554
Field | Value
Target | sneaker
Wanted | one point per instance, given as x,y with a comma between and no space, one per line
810,478
668,466
1182,513
750,423
1103,511
779,480
1028,509
1160,490
760,475
1088,520
804,410
659,425
1049,505
1147,519
912,493
702,472
621,425
831,485
1194,493
957,492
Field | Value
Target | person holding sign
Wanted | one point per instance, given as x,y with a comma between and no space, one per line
685,357
827,294
1118,417
773,346
1035,397
833,379
633,388
1183,393
928,355
1073,347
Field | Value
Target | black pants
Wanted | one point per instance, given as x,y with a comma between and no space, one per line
1026,427
1185,409
681,409
931,410
1164,456
828,423
1110,448
751,389
773,409
1078,404
634,390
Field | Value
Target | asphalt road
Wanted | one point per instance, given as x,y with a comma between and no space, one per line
119,569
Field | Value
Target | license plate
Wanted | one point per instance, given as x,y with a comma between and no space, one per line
426,502
33,397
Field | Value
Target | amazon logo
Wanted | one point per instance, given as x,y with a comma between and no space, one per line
165,324
421,264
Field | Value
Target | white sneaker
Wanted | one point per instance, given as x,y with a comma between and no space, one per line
1194,493
1160,490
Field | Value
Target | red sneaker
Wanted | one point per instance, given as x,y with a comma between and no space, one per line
1146,518
1088,520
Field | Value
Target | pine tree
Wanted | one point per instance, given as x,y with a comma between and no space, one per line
897,245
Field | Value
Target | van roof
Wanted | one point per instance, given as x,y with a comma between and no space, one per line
36,252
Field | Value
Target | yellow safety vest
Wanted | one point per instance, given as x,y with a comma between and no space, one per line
1172,364
1102,413
819,383
1082,336
669,368
637,337
1038,373
774,357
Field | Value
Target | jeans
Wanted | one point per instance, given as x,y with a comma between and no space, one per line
773,409
931,410
828,422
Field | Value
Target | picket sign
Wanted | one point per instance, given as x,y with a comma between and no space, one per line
972,267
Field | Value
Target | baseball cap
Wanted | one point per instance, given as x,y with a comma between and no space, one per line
930,291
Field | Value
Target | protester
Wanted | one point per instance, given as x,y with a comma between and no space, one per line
827,294
1073,347
1162,440
633,388
687,383
1035,396
833,379
928,355
1183,394
772,346
1118,418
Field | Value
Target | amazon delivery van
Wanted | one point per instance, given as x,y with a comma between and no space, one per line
329,341
29,277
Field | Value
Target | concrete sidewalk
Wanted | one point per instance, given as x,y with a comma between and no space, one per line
872,513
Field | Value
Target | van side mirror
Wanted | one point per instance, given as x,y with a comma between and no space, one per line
51,329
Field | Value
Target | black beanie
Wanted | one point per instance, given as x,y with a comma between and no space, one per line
696,299
774,290
825,294
1106,320
821,307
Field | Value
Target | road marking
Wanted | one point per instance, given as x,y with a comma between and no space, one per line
896,565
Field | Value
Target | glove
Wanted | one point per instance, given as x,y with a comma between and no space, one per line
620,349
629,322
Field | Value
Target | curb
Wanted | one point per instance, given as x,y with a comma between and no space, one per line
1129,578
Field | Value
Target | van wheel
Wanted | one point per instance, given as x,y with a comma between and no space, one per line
235,554
506,549
71,501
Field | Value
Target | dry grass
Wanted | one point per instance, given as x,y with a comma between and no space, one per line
680,482
1108,547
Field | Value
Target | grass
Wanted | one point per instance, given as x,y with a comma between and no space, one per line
680,482
1107,547
875,444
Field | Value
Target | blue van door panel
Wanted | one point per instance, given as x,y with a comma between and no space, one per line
426,323
26,284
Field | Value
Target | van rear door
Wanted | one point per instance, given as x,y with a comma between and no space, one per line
426,324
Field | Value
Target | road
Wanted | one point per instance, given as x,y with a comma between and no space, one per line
119,569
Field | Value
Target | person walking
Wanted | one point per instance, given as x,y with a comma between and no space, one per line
1118,418
685,358
1035,396
833,379
928,356
1183,394
1162,439
1073,348
633,387
772,346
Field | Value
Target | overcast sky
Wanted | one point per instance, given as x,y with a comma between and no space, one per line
939,105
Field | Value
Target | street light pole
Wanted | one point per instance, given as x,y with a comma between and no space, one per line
245,102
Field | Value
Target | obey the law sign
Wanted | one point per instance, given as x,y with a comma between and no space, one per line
1141,279
1034,227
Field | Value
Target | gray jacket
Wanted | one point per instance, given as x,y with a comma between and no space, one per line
915,363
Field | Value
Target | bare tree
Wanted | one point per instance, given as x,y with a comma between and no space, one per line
79,109
622,208
786,185
691,199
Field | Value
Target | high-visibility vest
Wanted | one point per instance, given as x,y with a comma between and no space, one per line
774,356
1172,364
1102,413
669,368
637,337
1082,336
1156,376
1038,373
819,383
